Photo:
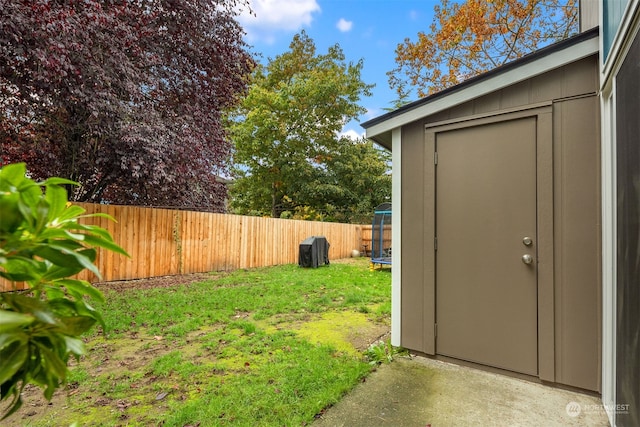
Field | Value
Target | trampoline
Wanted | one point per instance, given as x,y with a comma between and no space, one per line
381,235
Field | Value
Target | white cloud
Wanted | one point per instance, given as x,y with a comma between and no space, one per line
343,25
372,113
273,16
352,134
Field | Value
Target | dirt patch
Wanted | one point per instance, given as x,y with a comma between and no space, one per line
158,282
122,361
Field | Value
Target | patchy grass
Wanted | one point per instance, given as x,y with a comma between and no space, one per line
263,347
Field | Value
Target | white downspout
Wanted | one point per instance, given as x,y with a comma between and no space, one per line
608,176
396,229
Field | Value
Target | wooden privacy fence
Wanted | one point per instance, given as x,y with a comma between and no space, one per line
165,242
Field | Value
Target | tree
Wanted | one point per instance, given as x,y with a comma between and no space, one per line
346,187
43,244
288,125
357,180
126,98
474,36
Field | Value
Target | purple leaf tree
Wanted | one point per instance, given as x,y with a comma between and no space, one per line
126,98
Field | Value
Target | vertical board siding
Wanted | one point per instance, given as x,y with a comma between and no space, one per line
165,242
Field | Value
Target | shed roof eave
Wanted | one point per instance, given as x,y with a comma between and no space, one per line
554,56
382,139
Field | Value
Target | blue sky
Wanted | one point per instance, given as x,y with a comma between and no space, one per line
364,29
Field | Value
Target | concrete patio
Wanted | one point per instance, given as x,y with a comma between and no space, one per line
422,392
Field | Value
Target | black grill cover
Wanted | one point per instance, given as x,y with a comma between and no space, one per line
314,252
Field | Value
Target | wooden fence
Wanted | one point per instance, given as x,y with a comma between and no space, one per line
367,235
165,242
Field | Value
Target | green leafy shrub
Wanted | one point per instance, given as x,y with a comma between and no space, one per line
43,245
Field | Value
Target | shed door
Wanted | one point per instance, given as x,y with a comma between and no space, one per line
486,296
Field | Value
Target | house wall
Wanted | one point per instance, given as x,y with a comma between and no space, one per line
613,12
574,355
589,14
628,238
620,74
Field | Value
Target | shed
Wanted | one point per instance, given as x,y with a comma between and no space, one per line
496,225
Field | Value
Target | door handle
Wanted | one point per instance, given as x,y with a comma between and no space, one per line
527,259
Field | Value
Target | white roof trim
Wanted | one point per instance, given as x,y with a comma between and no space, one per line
491,84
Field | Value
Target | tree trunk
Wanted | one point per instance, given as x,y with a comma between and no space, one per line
273,200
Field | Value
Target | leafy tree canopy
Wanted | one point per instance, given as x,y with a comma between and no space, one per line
346,187
471,37
288,155
123,97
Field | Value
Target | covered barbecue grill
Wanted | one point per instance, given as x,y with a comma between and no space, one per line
314,252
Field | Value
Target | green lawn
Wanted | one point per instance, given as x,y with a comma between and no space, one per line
265,347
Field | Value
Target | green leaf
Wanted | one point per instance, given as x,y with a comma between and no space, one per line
77,237
94,230
54,364
82,287
52,233
58,255
11,320
20,269
12,336
41,212
39,309
77,325
15,277
13,357
54,292
107,244
65,243
57,181
63,306
71,212
62,256
57,198
13,173
84,308
55,272
31,194
100,215
75,346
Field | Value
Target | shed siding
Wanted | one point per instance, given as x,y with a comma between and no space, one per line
576,140
578,78
577,242
413,249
